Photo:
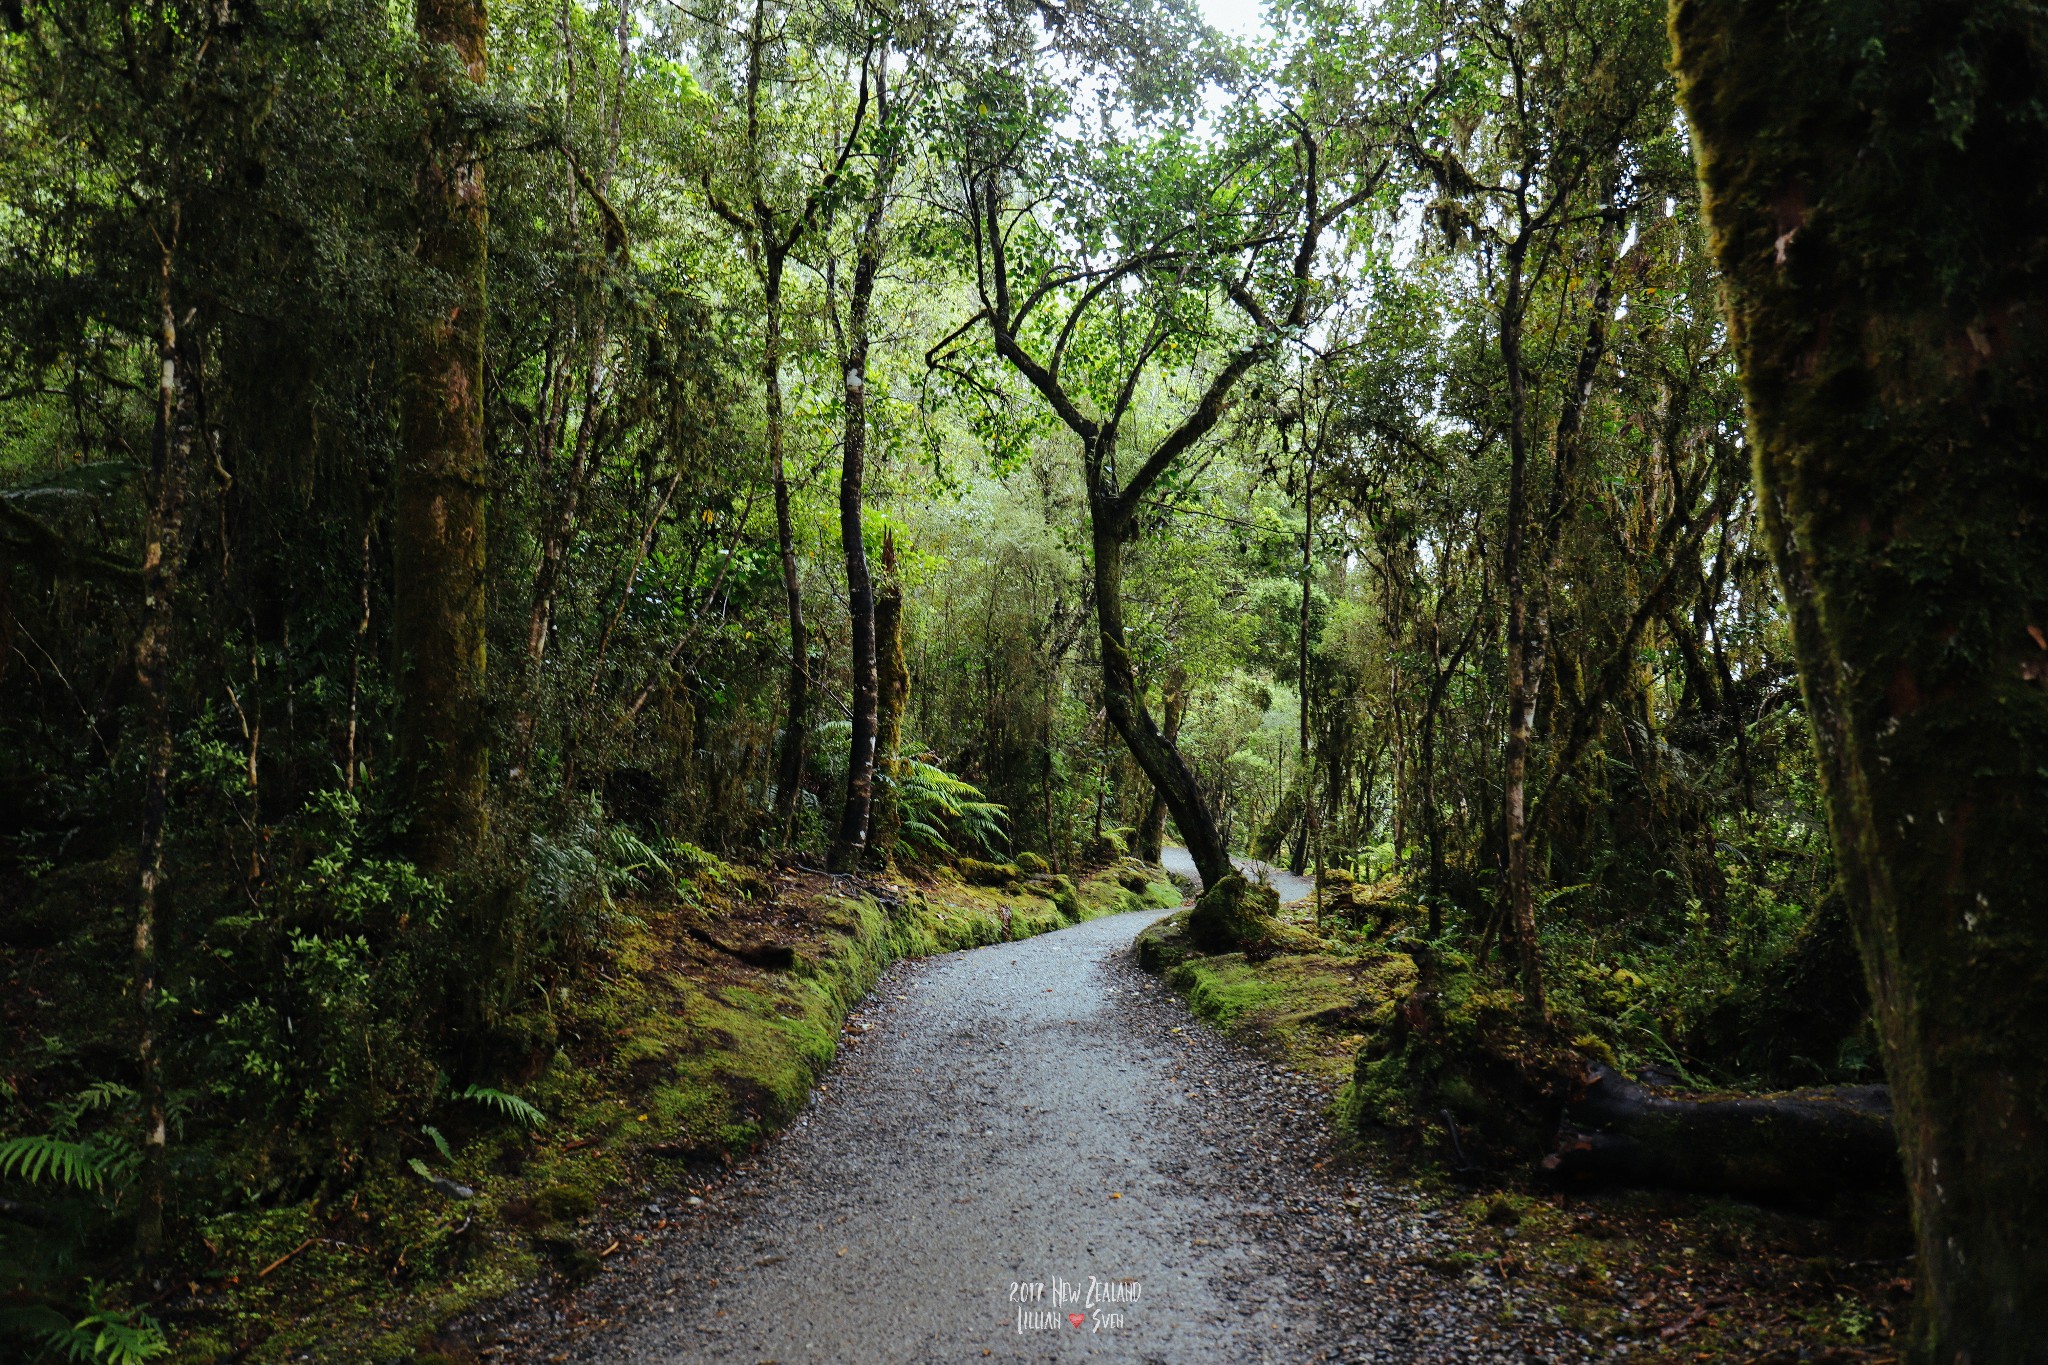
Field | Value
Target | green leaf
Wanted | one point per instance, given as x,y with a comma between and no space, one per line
509,1105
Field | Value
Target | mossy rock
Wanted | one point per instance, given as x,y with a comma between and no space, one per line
1108,847
563,1203
1065,896
978,873
1032,865
1164,945
1233,914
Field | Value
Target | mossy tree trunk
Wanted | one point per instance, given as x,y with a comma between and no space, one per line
892,696
1876,177
438,513
850,842
852,837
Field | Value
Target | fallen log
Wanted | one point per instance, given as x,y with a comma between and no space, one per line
1800,1146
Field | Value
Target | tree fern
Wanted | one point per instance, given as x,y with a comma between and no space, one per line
939,809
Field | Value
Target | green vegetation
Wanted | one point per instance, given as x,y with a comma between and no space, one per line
495,501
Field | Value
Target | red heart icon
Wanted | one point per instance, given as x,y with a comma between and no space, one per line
1076,1319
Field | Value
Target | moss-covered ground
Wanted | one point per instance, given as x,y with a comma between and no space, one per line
699,1034
1664,1276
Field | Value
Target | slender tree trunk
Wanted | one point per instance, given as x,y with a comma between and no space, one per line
796,713
162,553
892,696
851,840
1159,758
1298,863
438,515
1877,182
1172,702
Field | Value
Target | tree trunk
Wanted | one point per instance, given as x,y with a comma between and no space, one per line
1159,758
852,838
1877,182
1803,1146
892,696
1298,862
438,514
790,774
1524,660
162,553
1172,701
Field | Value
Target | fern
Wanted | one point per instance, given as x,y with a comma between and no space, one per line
440,1143
104,1336
509,1105
41,1157
940,809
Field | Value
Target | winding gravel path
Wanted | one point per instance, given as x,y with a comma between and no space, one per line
1290,887
1010,1126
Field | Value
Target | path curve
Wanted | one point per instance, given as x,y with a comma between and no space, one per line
1290,887
1020,1115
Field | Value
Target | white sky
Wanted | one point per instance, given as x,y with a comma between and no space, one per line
1239,18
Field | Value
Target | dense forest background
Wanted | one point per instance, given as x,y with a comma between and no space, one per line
448,469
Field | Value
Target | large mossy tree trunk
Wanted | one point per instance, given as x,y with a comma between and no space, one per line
438,499
1876,176
850,842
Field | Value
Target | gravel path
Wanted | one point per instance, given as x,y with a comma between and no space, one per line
1290,887
1012,1129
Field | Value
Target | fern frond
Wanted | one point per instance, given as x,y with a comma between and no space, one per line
42,1157
440,1143
509,1105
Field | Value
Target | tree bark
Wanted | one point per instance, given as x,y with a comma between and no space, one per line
1172,702
438,514
1523,670
1156,754
796,723
1877,184
162,555
892,696
851,840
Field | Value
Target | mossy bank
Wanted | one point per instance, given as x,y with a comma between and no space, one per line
1400,1034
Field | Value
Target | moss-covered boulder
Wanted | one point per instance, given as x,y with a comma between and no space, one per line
1032,865
1233,914
975,872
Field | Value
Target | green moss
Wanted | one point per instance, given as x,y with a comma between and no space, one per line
563,1203
1032,865
978,873
1232,914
